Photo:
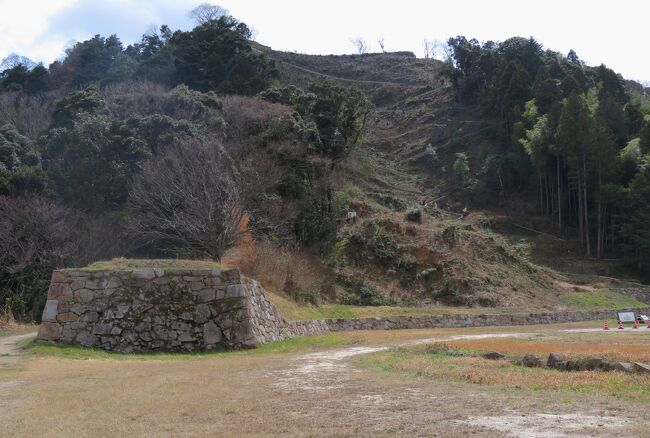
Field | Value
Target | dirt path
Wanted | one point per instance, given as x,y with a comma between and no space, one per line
10,348
324,372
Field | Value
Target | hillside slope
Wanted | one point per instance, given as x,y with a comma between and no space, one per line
405,165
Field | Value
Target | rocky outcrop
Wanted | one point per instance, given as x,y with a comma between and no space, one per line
531,361
155,309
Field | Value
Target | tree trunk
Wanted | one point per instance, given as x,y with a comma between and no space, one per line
559,196
581,231
599,224
604,231
548,204
612,234
584,197
570,203
541,196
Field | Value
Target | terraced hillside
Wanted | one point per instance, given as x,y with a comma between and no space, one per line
404,170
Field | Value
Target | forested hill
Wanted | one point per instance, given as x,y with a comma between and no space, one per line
576,128
188,143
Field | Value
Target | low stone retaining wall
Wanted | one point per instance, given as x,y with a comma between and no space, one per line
303,328
189,310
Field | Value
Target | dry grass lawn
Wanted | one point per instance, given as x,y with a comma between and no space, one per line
311,387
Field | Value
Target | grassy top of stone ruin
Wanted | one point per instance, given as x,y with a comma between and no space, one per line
122,264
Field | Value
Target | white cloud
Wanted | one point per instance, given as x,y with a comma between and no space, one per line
23,22
599,31
41,29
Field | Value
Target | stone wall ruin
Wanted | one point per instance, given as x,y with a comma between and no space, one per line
204,309
155,309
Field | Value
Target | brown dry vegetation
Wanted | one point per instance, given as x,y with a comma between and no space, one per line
9,326
468,366
283,271
617,346
448,260
480,371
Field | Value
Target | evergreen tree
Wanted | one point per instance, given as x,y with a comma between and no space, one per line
573,137
633,118
537,143
603,155
546,91
635,224
644,138
611,113
215,56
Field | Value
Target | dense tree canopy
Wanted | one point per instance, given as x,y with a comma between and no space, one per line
585,138
217,56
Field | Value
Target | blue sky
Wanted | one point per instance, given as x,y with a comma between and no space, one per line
599,31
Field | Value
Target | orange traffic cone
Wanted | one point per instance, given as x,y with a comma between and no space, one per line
606,326
620,325
636,324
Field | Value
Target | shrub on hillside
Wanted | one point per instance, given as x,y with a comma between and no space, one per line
414,215
366,295
36,237
373,243
391,202
447,292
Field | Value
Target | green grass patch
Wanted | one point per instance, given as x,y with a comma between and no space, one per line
292,311
26,342
600,299
76,352
122,264
306,343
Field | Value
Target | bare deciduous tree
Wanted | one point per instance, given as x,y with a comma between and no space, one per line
360,45
381,43
447,52
29,114
187,202
429,47
14,60
206,12
37,235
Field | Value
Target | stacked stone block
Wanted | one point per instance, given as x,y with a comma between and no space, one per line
155,309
